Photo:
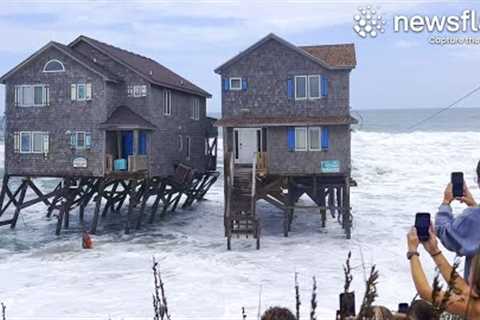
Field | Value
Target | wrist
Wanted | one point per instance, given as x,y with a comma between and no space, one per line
412,248
411,254
446,202
435,253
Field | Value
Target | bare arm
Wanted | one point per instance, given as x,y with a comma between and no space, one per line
419,279
445,268
457,304
431,246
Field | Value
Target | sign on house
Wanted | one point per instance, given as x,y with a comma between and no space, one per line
330,166
80,162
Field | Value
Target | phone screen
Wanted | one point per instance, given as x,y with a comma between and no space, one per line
457,184
422,223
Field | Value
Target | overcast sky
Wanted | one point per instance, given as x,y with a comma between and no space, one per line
395,70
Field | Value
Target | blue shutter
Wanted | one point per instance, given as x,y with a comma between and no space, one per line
73,139
325,138
142,142
291,139
290,88
88,140
244,84
324,86
226,84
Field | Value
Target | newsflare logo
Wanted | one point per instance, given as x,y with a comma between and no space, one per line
368,22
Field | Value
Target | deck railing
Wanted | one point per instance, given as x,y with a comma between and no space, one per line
261,162
137,163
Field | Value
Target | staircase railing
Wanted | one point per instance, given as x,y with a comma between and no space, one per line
254,183
261,162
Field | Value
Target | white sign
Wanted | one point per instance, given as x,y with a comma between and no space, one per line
80,162
330,166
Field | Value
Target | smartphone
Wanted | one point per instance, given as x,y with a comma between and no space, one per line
403,308
457,184
422,224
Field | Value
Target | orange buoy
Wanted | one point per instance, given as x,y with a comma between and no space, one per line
87,242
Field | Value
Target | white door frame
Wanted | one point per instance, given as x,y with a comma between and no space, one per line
237,144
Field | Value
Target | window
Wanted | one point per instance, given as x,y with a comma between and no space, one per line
31,95
31,142
80,140
137,91
25,142
314,87
81,91
180,142
314,139
196,109
189,142
54,66
235,83
167,102
300,87
310,87
300,139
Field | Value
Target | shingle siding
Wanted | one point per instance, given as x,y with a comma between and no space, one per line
267,69
63,114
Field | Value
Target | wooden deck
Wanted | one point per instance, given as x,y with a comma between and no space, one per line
246,184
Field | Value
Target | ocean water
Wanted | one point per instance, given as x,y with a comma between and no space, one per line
399,172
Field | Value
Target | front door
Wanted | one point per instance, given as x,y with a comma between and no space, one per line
247,141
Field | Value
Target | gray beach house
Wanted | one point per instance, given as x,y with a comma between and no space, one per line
286,116
98,117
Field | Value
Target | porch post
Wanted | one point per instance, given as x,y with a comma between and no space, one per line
135,142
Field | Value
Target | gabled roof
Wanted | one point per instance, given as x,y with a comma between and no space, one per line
69,52
324,55
147,68
282,121
123,118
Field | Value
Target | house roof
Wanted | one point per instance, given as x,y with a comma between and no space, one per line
123,118
250,121
340,55
329,56
149,69
69,52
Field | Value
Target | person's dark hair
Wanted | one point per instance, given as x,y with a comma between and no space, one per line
420,310
278,313
379,313
478,169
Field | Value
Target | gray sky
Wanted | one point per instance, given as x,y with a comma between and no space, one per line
395,70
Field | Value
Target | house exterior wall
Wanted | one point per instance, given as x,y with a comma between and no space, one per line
61,115
282,161
267,70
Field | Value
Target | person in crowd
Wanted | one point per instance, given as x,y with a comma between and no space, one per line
278,313
420,310
461,233
465,298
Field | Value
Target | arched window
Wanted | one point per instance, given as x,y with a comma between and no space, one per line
54,66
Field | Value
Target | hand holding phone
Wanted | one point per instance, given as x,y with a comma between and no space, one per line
457,184
422,224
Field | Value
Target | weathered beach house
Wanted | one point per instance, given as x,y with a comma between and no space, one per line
286,127
110,123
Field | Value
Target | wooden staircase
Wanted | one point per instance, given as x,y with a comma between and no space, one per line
240,219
